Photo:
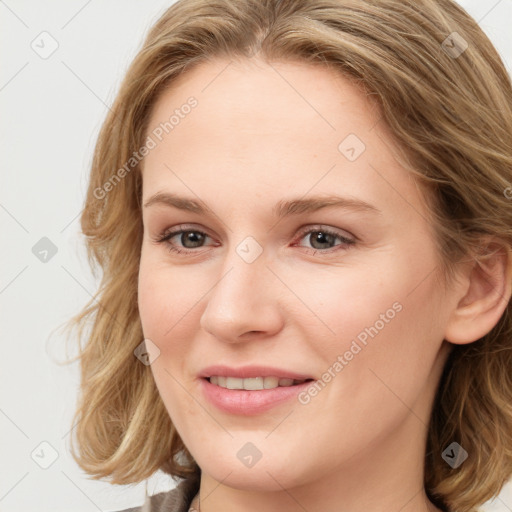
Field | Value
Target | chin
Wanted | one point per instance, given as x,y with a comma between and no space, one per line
268,476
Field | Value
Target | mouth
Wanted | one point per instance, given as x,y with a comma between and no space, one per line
249,396
254,383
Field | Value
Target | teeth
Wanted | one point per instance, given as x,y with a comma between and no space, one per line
254,383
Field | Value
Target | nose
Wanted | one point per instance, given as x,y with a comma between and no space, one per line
243,303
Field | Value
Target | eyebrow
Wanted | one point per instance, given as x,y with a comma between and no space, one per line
284,208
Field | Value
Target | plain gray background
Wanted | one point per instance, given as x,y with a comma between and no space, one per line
52,109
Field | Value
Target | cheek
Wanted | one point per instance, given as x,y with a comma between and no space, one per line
390,322
166,298
402,337
165,312
342,304
150,303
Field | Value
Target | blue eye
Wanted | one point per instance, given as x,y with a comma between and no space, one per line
319,237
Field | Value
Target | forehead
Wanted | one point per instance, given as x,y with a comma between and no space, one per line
270,128
263,98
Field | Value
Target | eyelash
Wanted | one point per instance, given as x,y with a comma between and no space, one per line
167,235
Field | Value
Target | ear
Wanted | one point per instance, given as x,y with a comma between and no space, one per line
485,293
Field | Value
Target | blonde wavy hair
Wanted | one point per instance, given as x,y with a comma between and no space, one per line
451,118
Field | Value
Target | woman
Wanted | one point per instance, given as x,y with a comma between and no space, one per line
303,215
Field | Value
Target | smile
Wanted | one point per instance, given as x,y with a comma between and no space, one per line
254,383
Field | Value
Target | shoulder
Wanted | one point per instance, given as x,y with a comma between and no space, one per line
175,500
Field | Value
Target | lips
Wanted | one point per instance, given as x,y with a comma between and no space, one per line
252,371
247,402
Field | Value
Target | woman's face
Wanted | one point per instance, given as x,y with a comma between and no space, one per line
345,294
